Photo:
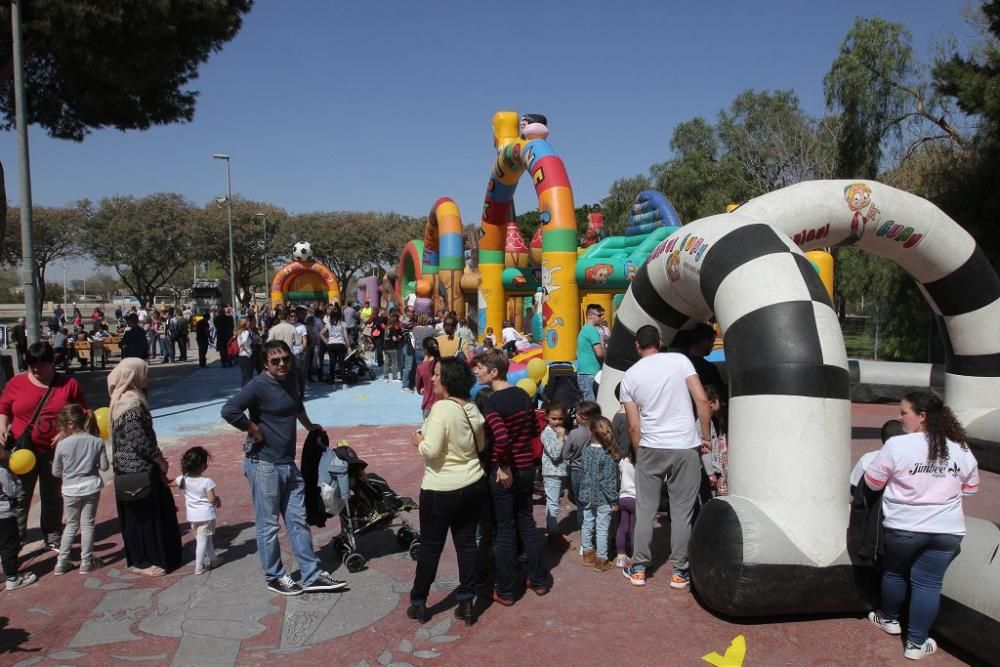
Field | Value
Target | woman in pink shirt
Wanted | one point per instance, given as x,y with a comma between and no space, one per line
425,375
925,473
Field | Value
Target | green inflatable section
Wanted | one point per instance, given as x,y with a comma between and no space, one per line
612,262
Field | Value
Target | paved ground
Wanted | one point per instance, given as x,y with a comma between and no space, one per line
227,617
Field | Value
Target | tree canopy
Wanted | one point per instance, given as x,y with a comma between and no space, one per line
147,241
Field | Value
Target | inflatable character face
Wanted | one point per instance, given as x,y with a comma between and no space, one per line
599,273
858,196
674,266
534,126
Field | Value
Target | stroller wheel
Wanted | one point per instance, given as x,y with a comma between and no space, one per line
371,374
415,549
354,562
405,537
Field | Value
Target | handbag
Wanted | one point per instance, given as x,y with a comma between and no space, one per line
23,441
133,486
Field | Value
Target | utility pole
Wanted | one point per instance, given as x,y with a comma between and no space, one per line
31,306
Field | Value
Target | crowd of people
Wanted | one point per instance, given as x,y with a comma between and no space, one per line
482,458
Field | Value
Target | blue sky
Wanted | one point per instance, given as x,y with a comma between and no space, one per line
335,105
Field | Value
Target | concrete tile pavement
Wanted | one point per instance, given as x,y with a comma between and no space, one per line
228,617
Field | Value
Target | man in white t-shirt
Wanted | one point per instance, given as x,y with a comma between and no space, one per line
657,392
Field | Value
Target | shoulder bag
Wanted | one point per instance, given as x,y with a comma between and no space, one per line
23,441
134,485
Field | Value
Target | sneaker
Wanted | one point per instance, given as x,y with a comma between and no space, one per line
88,565
53,545
62,567
680,580
324,583
879,621
22,580
284,585
620,561
635,574
917,651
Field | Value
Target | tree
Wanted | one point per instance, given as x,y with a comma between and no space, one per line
617,206
774,143
104,285
883,96
58,235
147,241
346,241
698,180
113,63
974,80
251,242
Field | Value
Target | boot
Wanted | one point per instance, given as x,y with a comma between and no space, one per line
603,565
589,557
463,612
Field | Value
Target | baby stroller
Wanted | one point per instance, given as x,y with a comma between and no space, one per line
355,368
363,500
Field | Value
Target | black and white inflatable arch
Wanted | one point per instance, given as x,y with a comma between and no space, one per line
777,544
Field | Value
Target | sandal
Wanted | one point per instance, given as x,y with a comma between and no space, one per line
153,571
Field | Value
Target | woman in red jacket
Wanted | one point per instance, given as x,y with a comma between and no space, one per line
18,402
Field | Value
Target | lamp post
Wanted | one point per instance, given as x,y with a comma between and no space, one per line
267,268
229,213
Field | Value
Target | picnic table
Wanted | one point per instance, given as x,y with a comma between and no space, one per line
99,350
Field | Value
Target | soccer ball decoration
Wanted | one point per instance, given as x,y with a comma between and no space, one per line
302,251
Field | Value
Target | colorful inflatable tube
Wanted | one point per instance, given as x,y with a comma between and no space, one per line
444,255
304,281
777,544
559,236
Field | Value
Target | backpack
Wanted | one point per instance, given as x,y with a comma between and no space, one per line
256,341
232,347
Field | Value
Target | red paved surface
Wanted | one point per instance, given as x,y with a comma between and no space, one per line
588,618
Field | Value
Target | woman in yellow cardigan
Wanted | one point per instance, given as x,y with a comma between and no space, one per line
453,488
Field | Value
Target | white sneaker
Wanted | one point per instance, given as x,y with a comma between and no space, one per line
620,560
581,547
892,627
918,651
20,581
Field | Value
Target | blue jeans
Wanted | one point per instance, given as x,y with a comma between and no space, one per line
921,558
278,490
553,490
575,480
599,517
406,364
586,385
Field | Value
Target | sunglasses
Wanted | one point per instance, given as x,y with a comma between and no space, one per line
277,361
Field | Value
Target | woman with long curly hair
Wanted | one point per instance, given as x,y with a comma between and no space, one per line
925,473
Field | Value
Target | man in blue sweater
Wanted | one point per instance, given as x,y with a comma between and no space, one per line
276,485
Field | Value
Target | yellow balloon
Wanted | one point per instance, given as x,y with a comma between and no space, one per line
21,462
537,369
103,416
527,385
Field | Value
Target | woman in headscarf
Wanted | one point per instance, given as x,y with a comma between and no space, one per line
146,509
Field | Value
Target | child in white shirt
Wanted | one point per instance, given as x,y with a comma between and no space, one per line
201,502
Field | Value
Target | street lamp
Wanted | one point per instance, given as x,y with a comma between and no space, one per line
229,213
267,268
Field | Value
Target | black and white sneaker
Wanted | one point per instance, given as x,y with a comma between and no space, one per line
325,583
918,651
284,585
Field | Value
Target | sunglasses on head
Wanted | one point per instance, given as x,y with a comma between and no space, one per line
277,361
